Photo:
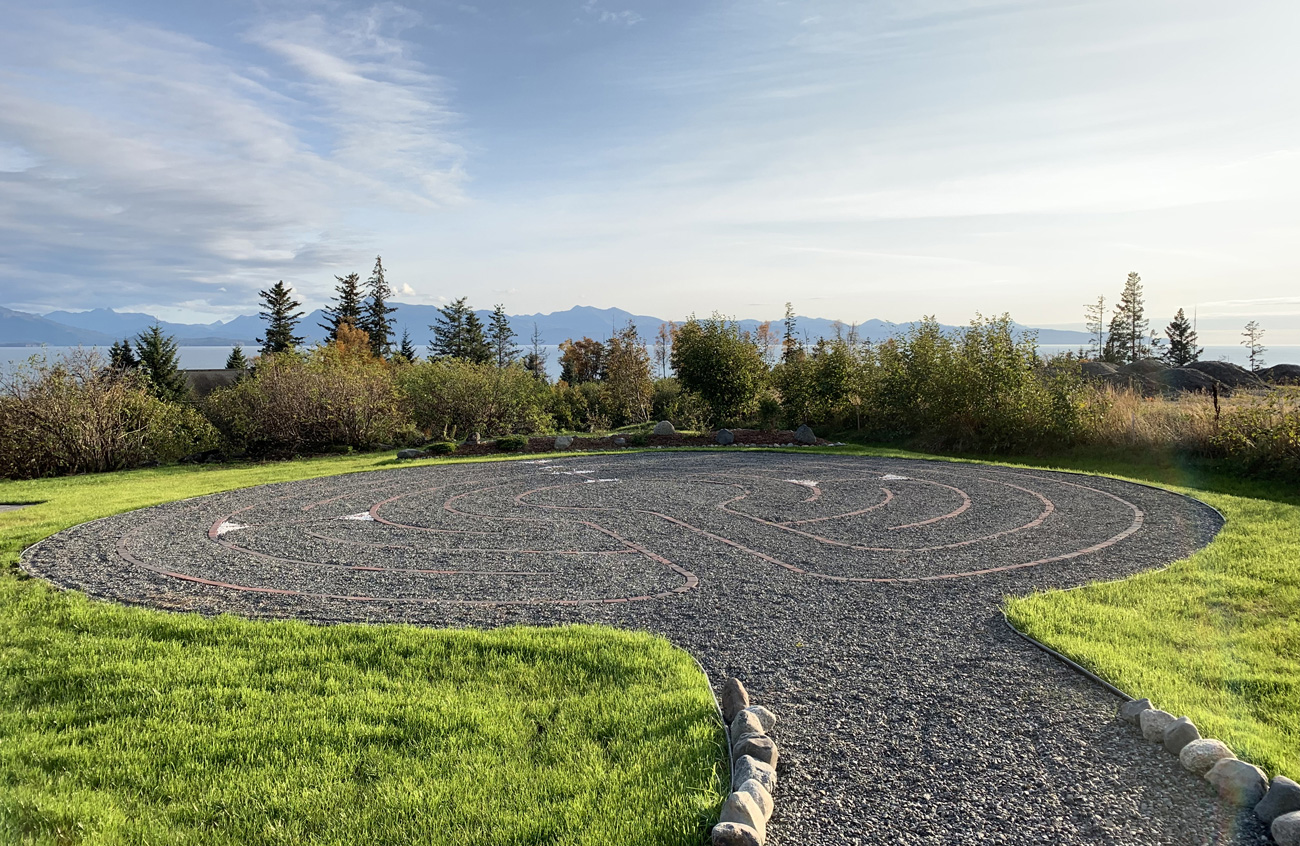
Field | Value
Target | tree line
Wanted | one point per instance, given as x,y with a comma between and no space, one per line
1128,337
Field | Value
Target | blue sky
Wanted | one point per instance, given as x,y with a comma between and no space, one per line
862,159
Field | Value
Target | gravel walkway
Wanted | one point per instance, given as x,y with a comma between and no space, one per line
856,597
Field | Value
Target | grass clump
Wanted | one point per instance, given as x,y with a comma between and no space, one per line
121,725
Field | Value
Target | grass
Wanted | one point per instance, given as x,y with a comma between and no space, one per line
123,725
1215,636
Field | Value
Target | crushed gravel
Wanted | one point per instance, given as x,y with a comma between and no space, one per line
909,712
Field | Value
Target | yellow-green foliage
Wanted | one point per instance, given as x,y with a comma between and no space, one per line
123,725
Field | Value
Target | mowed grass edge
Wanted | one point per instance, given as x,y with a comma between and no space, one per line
126,725
1215,636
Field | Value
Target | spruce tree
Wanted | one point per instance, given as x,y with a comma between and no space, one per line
281,319
121,357
160,364
1127,338
791,349
407,349
459,334
375,319
1182,342
1095,315
1253,341
535,360
346,308
501,337
236,360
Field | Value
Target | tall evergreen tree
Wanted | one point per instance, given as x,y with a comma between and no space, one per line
459,334
1253,341
407,349
236,360
281,319
502,337
1182,342
1095,314
346,308
375,319
535,360
791,349
159,361
1127,339
121,357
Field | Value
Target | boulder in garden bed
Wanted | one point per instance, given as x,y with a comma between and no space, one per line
740,808
734,834
734,699
409,454
1238,783
1283,797
724,437
745,724
760,795
1129,712
765,717
1286,829
1179,733
804,435
746,768
1154,722
665,427
760,747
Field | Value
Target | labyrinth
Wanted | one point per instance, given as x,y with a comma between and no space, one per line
584,531
857,597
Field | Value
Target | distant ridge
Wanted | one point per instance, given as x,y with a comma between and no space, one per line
103,326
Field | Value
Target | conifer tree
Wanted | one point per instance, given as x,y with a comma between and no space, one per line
535,360
1095,315
1182,342
791,349
1127,338
501,337
1253,341
346,308
236,360
161,365
375,319
121,357
459,334
407,349
281,319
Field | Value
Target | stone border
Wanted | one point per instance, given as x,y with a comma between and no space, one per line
1238,783
752,756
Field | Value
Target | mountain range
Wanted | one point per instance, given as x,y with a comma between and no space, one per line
102,326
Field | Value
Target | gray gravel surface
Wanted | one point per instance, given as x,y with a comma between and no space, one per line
856,597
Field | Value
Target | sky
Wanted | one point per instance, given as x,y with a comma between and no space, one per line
859,158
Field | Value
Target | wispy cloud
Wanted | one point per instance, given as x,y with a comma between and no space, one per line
625,17
147,158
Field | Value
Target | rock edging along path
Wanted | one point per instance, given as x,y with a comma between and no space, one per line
857,597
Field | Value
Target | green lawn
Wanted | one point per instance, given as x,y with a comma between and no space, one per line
122,725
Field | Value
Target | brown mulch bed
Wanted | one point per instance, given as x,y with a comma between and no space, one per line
744,437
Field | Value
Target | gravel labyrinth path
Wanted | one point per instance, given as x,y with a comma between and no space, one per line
856,597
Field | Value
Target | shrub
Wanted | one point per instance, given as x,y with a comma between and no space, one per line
577,408
441,448
450,398
719,364
689,411
76,415
512,443
337,396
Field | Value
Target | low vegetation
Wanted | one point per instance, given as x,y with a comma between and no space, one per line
122,725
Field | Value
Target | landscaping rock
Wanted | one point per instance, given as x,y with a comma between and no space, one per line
408,454
620,442
1200,756
1283,797
746,768
734,834
765,717
724,437
474,438
760,795
665,427
804,435
741,809
1238,783
1130,711
1286,829
746,723
734,699
1179,733
757,746
1154,722
563,442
